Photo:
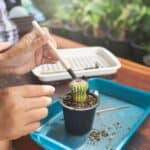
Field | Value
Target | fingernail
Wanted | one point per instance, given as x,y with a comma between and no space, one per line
50,88
49,101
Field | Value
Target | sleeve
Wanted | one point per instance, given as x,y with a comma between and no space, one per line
8,30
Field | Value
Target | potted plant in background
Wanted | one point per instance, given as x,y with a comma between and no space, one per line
141,44
140,51
94,20
130,29
121,19
74,23
79,108
66,21
121,26
56,22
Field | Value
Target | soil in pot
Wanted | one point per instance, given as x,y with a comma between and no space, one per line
79,117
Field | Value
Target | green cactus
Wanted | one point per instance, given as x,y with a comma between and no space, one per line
79,89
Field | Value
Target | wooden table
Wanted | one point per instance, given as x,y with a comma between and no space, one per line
130,74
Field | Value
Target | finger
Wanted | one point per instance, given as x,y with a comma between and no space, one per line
40,102
31,40
53,41
31,127
29,91
36,115
49,53
25,130
30,36
49,61
38,56
15,137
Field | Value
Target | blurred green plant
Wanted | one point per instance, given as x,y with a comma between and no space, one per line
134,24
72,13
125,19
130,21
94,15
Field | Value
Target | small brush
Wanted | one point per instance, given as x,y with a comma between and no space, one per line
55,51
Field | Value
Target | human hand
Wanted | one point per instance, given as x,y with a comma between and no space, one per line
30,51
22,108
6,145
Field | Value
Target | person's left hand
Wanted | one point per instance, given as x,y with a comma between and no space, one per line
29,52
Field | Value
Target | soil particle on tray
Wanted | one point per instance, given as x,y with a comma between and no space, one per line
129,128
117,125
104,133
109,148
97,135
94,136
68,100
113,134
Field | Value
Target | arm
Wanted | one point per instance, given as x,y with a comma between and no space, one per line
3,48
6,145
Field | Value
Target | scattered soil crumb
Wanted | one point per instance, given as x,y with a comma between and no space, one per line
129,128
117,125
110,149
113,133
94,136
104,133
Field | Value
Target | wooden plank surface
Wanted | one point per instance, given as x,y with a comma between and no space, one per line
131,74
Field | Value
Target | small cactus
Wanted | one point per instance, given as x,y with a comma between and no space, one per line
79,89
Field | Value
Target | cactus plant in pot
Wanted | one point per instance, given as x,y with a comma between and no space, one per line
79,107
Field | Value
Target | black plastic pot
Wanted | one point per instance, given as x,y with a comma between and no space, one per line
75,33
79,121
121,48
91,40
58,29
138,52
24,24
146,60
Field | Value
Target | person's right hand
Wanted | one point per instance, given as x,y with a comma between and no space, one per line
22,108
30,51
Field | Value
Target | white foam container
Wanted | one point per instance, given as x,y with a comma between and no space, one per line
109,64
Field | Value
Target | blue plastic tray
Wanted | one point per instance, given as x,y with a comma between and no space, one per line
119,124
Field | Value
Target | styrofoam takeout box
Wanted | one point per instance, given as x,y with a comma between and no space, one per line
82,61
